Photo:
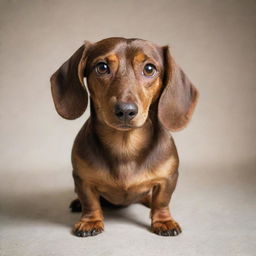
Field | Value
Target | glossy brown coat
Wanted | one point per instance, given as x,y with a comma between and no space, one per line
124,161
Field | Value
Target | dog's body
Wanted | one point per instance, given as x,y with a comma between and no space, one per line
124,152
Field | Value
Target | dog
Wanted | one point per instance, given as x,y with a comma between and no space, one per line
124,152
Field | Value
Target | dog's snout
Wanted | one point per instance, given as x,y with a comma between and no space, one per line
126,111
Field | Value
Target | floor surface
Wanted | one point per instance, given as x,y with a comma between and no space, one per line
216,209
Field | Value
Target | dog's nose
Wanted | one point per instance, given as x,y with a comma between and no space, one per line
126,111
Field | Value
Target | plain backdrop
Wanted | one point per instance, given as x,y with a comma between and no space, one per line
215,44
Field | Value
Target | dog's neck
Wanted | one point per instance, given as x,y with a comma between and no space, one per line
127,144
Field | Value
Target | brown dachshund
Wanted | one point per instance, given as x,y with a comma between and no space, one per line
124,152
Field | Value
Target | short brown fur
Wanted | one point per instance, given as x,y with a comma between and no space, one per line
124,160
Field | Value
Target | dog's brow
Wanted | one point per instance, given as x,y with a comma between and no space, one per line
140,57
110,57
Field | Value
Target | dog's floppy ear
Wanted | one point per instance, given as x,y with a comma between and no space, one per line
179,97
68,90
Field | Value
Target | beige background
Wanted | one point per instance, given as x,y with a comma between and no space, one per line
213,41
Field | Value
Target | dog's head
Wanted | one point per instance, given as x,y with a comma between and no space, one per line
124,78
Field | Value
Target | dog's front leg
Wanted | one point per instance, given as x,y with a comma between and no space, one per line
162,222
91,222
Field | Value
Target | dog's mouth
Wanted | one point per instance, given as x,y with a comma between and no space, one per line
126,126
123,126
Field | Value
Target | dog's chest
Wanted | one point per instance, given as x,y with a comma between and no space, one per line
126,185
124,182
129,183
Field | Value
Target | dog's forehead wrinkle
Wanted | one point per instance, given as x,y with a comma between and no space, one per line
103,48
124,48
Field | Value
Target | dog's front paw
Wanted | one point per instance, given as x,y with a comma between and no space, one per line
88,228
166,228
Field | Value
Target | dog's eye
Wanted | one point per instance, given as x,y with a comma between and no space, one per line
102,68
149,70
